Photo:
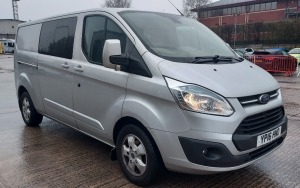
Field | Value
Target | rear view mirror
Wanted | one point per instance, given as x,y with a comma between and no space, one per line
112,47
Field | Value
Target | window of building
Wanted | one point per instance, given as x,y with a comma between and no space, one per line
243,9
57,38
256,7
250,8
219,12
262,6
229,11
225,11
205,14
238,9
274,5
268,6
97,29
299,3
233,10
209,13
213,13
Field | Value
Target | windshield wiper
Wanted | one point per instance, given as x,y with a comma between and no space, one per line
215,59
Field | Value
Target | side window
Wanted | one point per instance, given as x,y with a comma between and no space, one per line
28,37
57,38
60,43
113,31
97,29
93,38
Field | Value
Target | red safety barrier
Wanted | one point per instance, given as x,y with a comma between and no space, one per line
275,63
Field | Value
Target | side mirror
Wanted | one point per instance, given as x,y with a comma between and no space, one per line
112,47
119,60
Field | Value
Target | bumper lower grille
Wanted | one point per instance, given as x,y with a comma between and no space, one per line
261,122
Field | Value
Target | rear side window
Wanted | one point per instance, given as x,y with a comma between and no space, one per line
97,29
57,38
28,37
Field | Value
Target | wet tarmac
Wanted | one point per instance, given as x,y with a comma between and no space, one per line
54,155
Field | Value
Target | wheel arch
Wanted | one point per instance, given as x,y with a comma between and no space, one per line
130,120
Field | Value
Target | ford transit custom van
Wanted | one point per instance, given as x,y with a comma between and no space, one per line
162,90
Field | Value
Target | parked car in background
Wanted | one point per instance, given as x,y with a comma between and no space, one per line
240,52
246,50
8,45
295,53
277,51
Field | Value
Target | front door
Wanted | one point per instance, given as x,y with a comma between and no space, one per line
99,92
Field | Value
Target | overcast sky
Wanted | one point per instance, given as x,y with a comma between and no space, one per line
36,9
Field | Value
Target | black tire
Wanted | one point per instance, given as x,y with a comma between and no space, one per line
32,118
154,165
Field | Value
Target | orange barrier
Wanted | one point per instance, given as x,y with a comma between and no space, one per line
275,63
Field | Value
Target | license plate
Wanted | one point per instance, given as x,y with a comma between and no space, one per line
268,137
258,61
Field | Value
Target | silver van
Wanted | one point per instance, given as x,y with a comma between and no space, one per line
163,90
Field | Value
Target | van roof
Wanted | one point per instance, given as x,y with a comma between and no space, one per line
113,11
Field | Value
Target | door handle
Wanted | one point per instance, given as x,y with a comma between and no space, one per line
65,65
78,68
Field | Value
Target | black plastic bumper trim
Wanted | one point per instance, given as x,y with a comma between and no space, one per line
217,155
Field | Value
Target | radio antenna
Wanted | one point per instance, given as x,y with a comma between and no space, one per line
176,8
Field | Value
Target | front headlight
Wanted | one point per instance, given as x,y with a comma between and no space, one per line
198,99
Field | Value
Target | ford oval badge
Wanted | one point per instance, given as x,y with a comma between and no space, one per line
264,99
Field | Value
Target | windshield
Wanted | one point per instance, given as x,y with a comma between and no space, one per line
11,44
174,37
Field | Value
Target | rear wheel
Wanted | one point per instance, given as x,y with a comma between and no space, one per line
137,156
29,114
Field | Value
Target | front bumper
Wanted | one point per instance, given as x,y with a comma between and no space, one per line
217,155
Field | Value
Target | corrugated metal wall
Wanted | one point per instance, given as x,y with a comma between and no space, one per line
8,27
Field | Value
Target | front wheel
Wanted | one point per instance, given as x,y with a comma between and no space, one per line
137,156
29,114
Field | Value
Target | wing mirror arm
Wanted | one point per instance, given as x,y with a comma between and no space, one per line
119,60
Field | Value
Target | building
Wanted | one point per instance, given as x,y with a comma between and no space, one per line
8,28
229,12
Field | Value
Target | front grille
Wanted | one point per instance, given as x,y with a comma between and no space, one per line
261,122
255,98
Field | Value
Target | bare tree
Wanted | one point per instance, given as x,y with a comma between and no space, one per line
117,3
188,5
